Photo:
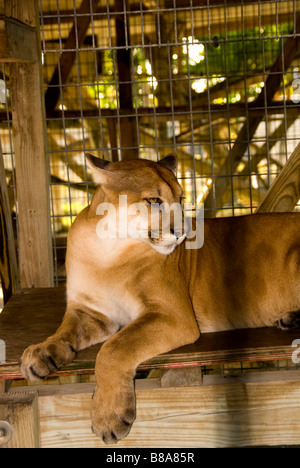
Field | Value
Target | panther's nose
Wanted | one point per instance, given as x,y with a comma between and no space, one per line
177,233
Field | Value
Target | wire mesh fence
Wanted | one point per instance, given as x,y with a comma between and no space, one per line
217,82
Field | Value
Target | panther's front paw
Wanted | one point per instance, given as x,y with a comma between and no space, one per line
113,414
289,320
38,361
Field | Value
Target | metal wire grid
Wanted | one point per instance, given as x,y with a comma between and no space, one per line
195,72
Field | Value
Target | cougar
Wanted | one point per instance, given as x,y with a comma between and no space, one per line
145,294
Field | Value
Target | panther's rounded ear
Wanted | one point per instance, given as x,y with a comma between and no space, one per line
93,161
170,162
101,172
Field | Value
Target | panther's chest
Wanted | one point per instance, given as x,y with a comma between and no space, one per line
106,275
112,298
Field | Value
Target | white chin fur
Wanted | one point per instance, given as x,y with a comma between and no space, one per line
168,246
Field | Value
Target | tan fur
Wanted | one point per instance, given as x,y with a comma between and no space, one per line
142,303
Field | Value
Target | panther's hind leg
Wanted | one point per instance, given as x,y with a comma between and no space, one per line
289,320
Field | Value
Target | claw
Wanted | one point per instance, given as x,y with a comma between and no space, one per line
35,374
109,438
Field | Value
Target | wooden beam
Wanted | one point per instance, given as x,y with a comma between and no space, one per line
250,409
112,132
8,260
284,193
31,160
217,24
223,415
68,56
262,152
147,114
17,41
25,13
250,126
128,128
150,7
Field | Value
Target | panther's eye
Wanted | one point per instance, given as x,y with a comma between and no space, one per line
152,201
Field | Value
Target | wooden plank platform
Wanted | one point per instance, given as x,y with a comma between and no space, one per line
32,315
214,416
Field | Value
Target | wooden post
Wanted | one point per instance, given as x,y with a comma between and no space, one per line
31,158
8,260
64,67
128,130
112,128
284,193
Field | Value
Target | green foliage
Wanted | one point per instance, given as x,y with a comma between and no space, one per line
252,52
105,90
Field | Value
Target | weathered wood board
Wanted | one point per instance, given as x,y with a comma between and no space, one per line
284,193
234,415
